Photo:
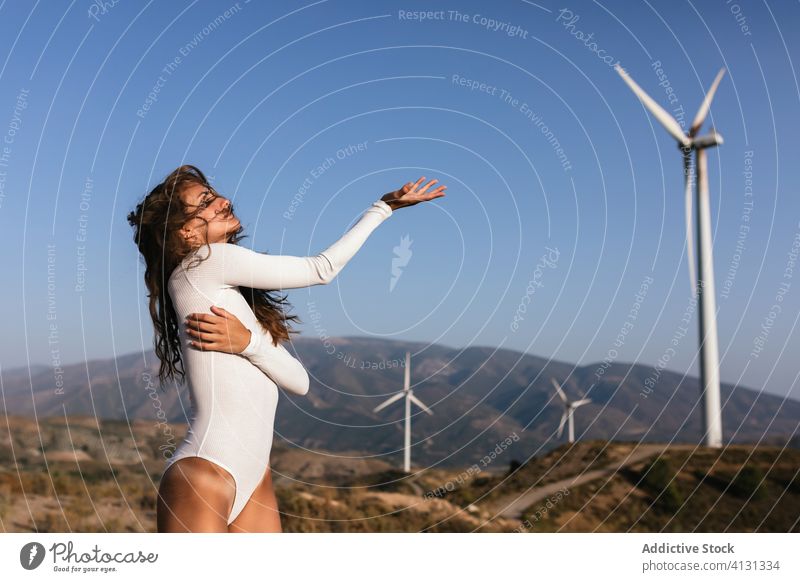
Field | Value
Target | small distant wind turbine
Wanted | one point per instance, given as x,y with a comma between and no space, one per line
408,393
569,407
709,350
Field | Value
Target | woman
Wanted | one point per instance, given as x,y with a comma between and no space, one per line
219,480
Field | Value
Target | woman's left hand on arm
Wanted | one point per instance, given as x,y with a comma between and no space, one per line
222,332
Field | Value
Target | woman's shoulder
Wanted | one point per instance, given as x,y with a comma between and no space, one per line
216,248
214,255
196,258
226,248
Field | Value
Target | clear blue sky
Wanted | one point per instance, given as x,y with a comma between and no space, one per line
260,96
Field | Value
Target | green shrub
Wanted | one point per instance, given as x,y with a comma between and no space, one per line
657,477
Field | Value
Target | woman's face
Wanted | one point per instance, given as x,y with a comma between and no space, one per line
215,209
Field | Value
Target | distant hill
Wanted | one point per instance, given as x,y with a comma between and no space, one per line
480,396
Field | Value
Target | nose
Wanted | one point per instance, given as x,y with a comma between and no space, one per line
225,206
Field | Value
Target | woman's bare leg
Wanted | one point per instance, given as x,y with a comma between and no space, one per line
260,514
195,495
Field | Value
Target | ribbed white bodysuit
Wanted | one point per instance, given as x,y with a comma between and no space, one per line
234,396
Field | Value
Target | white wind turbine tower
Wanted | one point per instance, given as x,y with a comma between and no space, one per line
408,393
569,407
709,349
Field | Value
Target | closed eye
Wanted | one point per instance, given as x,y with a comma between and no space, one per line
207,198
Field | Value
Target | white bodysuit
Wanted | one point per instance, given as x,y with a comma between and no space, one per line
234,396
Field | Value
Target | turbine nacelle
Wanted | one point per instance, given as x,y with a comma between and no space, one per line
709,140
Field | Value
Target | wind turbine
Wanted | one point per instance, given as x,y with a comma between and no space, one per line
709,349
569,407
408,394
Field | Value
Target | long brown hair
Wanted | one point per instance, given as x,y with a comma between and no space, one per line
157,221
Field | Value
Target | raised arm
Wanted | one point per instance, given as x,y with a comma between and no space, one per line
236,265
277,363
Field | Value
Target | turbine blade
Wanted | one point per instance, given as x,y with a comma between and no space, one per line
558,389
705,105
419,403
394,398
580,403
669,123
561,424
687,171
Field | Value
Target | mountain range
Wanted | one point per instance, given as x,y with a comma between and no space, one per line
480,396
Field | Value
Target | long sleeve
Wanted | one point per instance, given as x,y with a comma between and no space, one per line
277,363
240,266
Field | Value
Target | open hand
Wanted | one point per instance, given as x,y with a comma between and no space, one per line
412,194
218,333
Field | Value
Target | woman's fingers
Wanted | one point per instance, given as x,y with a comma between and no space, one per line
439,191
422,194
206,322
204,327
197,345
213,343
205,335
209,317
209,332
205,346
415,185
225,314
426,186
